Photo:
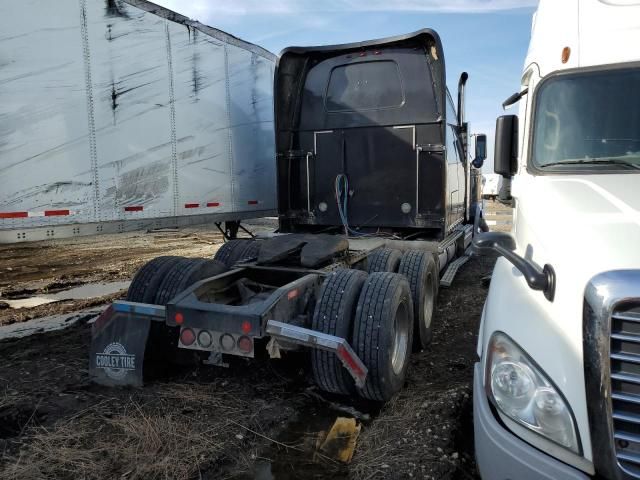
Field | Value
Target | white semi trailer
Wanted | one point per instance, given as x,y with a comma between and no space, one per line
557,389
119,114
491,183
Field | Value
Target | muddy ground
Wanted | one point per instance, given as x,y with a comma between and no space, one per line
35,268
256,419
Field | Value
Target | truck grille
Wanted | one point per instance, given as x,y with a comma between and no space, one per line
625,386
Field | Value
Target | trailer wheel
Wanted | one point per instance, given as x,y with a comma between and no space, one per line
234,250
145,283
420,269
334,315
384,260
383,332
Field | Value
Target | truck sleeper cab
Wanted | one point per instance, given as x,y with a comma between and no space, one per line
556,391
373,182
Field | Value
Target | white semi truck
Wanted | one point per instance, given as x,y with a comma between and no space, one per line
121,115
557,387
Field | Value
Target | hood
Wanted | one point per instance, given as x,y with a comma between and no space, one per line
582,226
587,223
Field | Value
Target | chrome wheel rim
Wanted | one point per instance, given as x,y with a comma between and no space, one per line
428,301
400,338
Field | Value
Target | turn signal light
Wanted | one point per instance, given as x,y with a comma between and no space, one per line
187,337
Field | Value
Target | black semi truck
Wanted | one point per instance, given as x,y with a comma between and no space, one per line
377,195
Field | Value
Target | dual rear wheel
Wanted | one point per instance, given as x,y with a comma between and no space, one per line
162,278
380,314
237,250
158,282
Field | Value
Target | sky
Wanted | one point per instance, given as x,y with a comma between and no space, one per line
486,38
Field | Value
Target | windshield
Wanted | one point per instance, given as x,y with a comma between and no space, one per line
588,120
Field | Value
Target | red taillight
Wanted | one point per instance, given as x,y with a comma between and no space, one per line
179,318
246,326
187,337
245,345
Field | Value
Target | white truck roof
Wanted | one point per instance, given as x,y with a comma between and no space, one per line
598,32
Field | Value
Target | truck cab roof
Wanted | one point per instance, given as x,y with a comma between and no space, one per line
370,120
597,32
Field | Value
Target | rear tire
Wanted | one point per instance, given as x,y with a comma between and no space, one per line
184,273
250,252
144,286
384,260
383,332
420,269
334,315
235,250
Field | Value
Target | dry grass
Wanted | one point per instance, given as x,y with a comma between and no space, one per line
406,425
164,437
378,445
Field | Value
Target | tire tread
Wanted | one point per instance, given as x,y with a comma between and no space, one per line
373,305
338,290
146,279
383,260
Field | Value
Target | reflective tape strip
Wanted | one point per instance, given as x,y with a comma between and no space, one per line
213,204
191,205
14,214
133,209
252,202
56,213
123,306
46,213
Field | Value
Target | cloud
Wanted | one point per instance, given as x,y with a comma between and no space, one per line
200,8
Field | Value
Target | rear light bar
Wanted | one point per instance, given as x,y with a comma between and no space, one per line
209,341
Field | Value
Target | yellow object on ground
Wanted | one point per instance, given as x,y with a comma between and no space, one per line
341,439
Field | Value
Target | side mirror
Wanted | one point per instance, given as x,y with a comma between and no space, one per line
485,243
505,154
481,150
504,244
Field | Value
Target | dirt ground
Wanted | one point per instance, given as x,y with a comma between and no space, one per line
257,419
30,269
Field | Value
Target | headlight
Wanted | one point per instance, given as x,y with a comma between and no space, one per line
522,392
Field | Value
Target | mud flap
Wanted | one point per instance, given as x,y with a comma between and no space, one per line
118,341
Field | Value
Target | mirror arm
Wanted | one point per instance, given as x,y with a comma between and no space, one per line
544,280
